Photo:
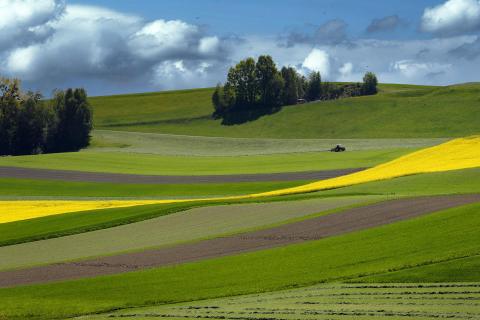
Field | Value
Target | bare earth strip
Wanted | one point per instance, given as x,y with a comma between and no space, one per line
66,175
313,229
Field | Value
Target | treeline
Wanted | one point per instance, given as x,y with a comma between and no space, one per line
255,88
31,125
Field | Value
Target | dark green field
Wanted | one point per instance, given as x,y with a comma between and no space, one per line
399,111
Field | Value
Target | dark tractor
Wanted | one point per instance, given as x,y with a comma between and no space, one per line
338,148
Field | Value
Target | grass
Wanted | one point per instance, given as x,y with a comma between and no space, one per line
399,111
374,251
27,188
194,224
451,182
168,144
332,301
148,164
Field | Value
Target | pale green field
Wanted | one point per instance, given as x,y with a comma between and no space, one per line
329,301
169,144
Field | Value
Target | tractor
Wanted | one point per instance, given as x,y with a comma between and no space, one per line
338,148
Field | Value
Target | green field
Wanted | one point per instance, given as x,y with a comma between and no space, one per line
190,225
369,252
148,164
332,301
423,268
398,111
51,189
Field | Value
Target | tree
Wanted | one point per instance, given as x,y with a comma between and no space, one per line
370,83
314,91
223,99
242,78
291,86
10,99
268,81
32,130
75,120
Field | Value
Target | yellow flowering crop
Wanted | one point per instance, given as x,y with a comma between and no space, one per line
29,209
453,155
456,154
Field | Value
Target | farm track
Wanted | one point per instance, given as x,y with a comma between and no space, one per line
313,229
81,176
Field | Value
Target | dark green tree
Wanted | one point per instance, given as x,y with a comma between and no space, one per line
75,120
314,91
242,78
223,99
291,86
370,83
268,81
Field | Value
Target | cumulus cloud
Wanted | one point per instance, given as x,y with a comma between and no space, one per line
453,17
331,32
384,24
318,60
26,21
86,44
414,69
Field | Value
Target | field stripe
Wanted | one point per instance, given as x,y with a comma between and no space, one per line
313,229
81,176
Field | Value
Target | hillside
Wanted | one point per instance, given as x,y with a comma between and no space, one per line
394,113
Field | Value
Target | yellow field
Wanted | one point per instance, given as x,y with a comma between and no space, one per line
22,210
456,154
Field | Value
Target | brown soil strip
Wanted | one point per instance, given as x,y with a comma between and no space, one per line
313,229
80,176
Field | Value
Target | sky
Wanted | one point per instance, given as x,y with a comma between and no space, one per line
123,46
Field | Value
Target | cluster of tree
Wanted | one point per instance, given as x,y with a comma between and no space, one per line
31,125
256,88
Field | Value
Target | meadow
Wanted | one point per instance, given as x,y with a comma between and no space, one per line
422,267
398,111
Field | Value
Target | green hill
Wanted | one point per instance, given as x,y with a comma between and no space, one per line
398,111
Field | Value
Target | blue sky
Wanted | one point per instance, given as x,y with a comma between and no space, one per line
274,16
116,46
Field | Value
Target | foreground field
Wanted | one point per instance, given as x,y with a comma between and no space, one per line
331,301
370,252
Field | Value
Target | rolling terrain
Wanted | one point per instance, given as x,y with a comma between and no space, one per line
170,214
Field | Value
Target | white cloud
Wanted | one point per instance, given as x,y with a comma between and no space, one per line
209,45
318,60
346,69
452,17
414,69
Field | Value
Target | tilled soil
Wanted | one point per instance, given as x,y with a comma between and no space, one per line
312,229
80,176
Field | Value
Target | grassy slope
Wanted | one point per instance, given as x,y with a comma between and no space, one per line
26,188
372,251
195,224
177,165
462,181
394,113
338,301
